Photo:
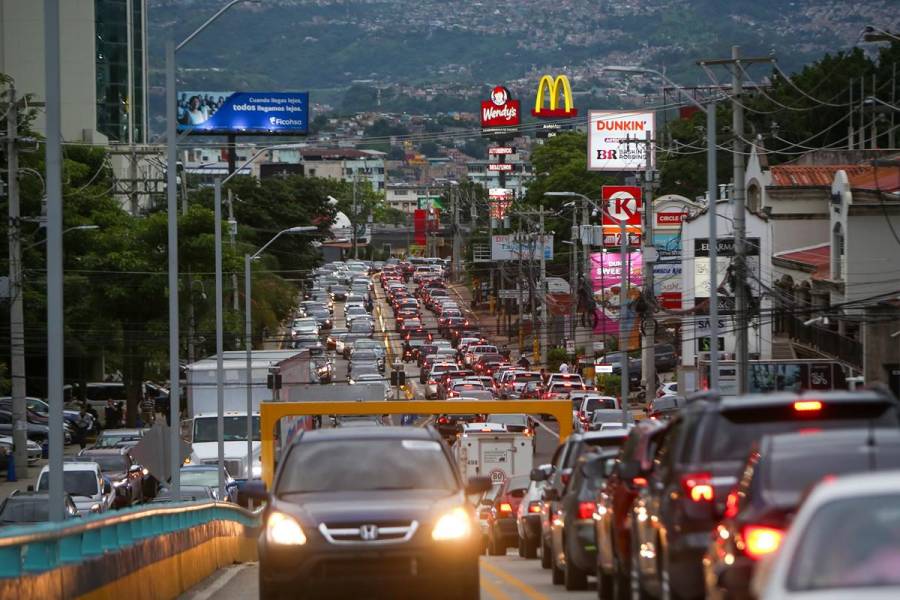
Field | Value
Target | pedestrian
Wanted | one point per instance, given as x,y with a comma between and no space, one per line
523,362
120,413
81,428
94,417
563,367
544,375
109,414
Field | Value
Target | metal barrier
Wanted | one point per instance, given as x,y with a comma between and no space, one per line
162,549
271,412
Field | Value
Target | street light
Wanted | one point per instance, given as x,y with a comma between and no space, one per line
172,208
248,335
712,192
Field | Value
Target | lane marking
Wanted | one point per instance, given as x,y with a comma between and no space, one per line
542,426
493,590
219,583
513,581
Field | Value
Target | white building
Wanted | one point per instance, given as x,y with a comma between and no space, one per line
345,164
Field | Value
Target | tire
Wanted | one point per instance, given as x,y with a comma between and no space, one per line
521,548
530,548
621,586
573,577
545,554
605,588
495,549
471,588
556,574
268,591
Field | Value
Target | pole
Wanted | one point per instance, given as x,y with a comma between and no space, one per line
353,220
248,345
740,226
521,289
232,158
232,231
850,126
546,313
573,279
55,331
172,207
712,194
16,307
457,238
220,345
648,323
624,280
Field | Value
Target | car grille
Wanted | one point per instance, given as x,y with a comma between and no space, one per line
366,533
354,569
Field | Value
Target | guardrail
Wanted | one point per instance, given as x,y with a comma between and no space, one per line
162,549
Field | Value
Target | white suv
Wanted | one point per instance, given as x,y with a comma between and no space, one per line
84,482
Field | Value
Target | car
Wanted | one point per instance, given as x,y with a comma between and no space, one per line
356,370
352,510
702,450
531,390
514,384
366,355
304,326
33,449
84,483
602,417
461,389
434,376
473,352
501,524
307,341
515,423
35,431
561,389
29,507
589,402
478,395
363,325
575,380
668,388
208,476
841,544
528,517
564,458
773,481
612,521
375,346
573,552
374,378
322,317
126,476
187,493
666,358
114,438
665,407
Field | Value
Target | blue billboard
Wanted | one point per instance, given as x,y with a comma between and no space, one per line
243,113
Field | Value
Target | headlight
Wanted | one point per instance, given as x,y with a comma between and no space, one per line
284,530
145,471
454,525
256,470
95,508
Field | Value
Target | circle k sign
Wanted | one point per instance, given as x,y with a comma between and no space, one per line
622,203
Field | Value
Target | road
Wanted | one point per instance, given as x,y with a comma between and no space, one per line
502,578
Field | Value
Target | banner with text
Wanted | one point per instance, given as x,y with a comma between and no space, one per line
244,113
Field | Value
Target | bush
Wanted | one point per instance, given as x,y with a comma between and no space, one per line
609,384
555,357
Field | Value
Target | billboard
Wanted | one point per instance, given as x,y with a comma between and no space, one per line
554,87
244,113
621,203
667,286
501,112
611,140
606,282
507,247
500,199
724,260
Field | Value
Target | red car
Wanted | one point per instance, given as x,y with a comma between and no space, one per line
501,523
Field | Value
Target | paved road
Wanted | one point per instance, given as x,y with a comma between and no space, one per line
502,578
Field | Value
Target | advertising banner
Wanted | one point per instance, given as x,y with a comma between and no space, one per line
507,247
667,270
500,200
612,137
244,113
419,217
622,203
606,282
501,113
724,259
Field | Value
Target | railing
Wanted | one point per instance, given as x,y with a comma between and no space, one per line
131,538
824,340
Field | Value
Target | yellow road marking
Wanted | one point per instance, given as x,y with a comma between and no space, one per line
513,581
494,591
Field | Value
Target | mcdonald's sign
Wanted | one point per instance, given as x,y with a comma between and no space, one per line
552,87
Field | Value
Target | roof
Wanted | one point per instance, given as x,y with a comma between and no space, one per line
884,179
835,441
338,153
366,433
809,175
815,259
751,401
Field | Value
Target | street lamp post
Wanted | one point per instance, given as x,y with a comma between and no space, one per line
712,192
172,208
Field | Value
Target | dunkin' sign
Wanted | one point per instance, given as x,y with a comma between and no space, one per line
501,110
616,140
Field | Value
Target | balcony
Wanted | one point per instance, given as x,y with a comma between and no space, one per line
823,340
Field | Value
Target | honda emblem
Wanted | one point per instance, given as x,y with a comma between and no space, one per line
368,533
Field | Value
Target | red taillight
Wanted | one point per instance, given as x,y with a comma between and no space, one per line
505,508
639,482
698,487
731,505
586,510
534,507
760,540
807,405
443,420
565,478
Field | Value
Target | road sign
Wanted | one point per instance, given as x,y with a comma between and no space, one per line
623,203
600,367
498,150
500,167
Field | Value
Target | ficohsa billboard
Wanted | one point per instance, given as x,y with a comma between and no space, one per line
257,113
613,137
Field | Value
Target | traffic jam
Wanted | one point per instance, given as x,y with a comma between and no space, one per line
705,496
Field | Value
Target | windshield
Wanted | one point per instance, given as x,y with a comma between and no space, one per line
75,483
205,477
366,465
507,419
361,326
25,510
235,429
596,403
109,463
111,440
867,556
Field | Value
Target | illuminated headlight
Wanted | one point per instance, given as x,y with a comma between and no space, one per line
454,525
284,530
145,471
256,470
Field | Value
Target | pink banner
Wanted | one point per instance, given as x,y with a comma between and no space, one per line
606,281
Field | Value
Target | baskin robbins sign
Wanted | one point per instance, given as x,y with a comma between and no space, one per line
616,140
501,114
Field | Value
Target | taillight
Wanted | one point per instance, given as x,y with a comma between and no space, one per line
586,510
505,508
639,482
698,487
443,420
534,507
760,540
807,405
731,505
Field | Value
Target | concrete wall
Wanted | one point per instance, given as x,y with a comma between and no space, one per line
22,57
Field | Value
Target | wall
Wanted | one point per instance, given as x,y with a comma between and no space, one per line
872,256
22,57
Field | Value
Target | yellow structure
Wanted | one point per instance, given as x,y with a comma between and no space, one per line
271,412
553,88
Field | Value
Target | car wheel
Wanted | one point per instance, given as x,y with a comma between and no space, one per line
494,548
556,574
268,591
521,548
545,554
573,577
604,585
621,587
530,548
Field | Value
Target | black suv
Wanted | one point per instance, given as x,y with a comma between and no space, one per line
697,464
378,511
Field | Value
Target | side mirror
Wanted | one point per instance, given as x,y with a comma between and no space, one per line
107,487
256,489
478,485
135,469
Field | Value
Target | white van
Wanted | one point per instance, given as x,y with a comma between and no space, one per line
84,482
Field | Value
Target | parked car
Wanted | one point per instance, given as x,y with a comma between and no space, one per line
842,543
84,483
208,475
27,508
698,461
666,358
502,532
665,407
127,477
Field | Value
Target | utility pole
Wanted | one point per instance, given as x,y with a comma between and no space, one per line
648,324
16,308
624,281
457,239
353,219
520,287
543,287
232,232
